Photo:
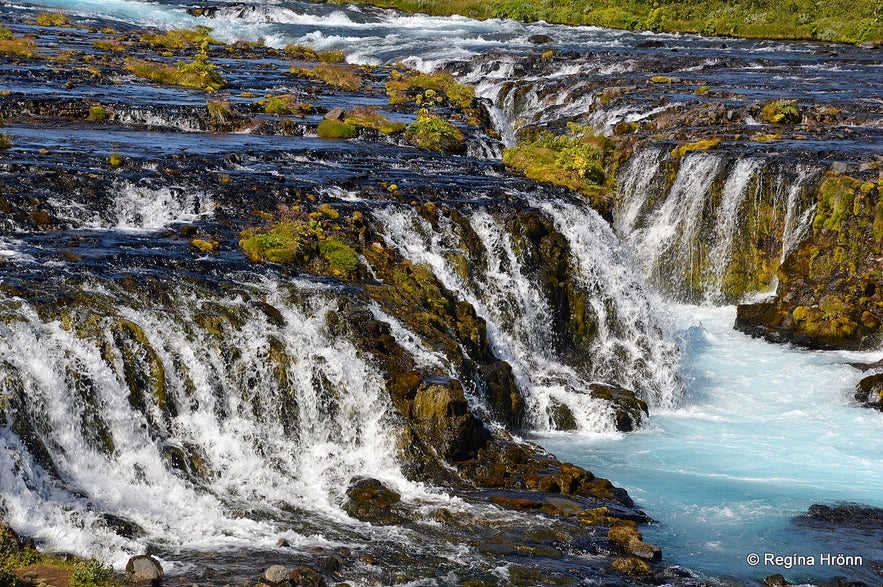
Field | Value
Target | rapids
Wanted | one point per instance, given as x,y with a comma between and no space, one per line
266,411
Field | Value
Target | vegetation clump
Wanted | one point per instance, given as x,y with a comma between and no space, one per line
781,112
700,145
420,87
436,134
344,77
177,39
311,240
576,160
90,573
56,19
14,46
304,53
199,73
97,113
5,141
369,117
336,129
285,105
108,46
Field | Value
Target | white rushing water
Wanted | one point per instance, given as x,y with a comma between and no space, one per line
632,348
276,415
767,430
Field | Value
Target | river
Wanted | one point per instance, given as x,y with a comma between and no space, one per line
743,435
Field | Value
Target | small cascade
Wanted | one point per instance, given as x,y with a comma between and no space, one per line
629,348
726,223
665,242
141,207
138,425
719,230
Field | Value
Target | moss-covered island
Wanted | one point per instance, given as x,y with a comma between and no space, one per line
846,21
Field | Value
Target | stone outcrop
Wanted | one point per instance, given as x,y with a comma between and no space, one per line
830,293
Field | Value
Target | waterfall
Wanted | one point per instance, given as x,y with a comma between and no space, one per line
718,231
177,419
630,348
666,243
726,225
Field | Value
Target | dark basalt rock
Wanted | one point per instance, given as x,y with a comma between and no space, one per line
369,500
540,39
845,515
629,409
869,391
830,293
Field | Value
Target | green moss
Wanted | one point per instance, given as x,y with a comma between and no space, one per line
5,142
286,104
661,79
576,161
108,46
403,88
836,196
56,19
199,73
433,133
198,37
700,145
304,53
781,112
115,159
340,256
369,117
345,77
97,113
335,129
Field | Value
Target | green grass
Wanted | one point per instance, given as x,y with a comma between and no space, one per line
849,21
199,73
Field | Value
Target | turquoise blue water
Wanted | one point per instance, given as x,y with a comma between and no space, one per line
765,431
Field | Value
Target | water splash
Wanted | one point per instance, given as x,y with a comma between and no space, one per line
176,422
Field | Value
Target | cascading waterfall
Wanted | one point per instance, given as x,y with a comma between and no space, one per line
666,244
726,223
174,422
631,347
719,230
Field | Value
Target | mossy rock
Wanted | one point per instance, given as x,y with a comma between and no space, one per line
781,112
436,134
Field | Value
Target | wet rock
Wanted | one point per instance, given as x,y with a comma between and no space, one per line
628,408
830,293
336,114
651,44
144,569
869,391
275,575
441,418
369,500
631,566
776,580
306,576
845,515
540,39
562,417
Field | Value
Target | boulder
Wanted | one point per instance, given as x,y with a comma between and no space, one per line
144,569
369,500
306,577
629,410
336,114
441,419
869,391
540,39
